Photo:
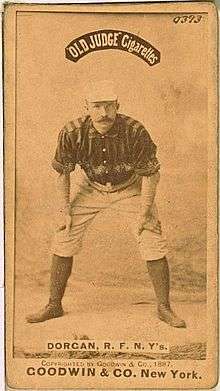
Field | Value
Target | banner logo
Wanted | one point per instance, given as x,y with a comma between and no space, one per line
112,39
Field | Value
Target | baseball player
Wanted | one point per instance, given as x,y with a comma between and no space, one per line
118,170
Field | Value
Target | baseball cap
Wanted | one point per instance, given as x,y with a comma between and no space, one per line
99,91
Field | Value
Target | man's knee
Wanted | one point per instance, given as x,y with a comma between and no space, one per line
59,258
66,249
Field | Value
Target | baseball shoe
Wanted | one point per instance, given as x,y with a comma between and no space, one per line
49,312
166,314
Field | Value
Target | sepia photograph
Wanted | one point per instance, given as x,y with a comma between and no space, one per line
111,196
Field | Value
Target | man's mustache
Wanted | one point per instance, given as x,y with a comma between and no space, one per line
104,119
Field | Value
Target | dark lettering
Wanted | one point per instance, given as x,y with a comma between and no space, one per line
30,371
109,39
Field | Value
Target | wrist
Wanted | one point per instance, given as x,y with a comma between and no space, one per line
146,211
65,209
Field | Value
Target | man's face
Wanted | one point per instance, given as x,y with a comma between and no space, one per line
103,114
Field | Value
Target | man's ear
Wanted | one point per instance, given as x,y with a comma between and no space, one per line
117,105
86,106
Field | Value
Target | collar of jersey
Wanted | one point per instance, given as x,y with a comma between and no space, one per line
113,132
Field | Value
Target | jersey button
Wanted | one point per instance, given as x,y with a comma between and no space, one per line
104,161
104,150
106,171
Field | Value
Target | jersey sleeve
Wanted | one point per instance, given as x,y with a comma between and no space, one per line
144,154
65,154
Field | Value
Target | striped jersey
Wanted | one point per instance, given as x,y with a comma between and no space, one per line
114,157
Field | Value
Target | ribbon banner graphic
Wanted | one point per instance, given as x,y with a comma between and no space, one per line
112,39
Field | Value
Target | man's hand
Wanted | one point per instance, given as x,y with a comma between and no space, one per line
65,219
149,223
63,188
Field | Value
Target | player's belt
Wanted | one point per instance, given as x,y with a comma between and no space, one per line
112,188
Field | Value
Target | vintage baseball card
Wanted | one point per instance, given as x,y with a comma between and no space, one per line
110,137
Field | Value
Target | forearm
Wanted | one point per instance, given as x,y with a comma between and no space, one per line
148,192
63,189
